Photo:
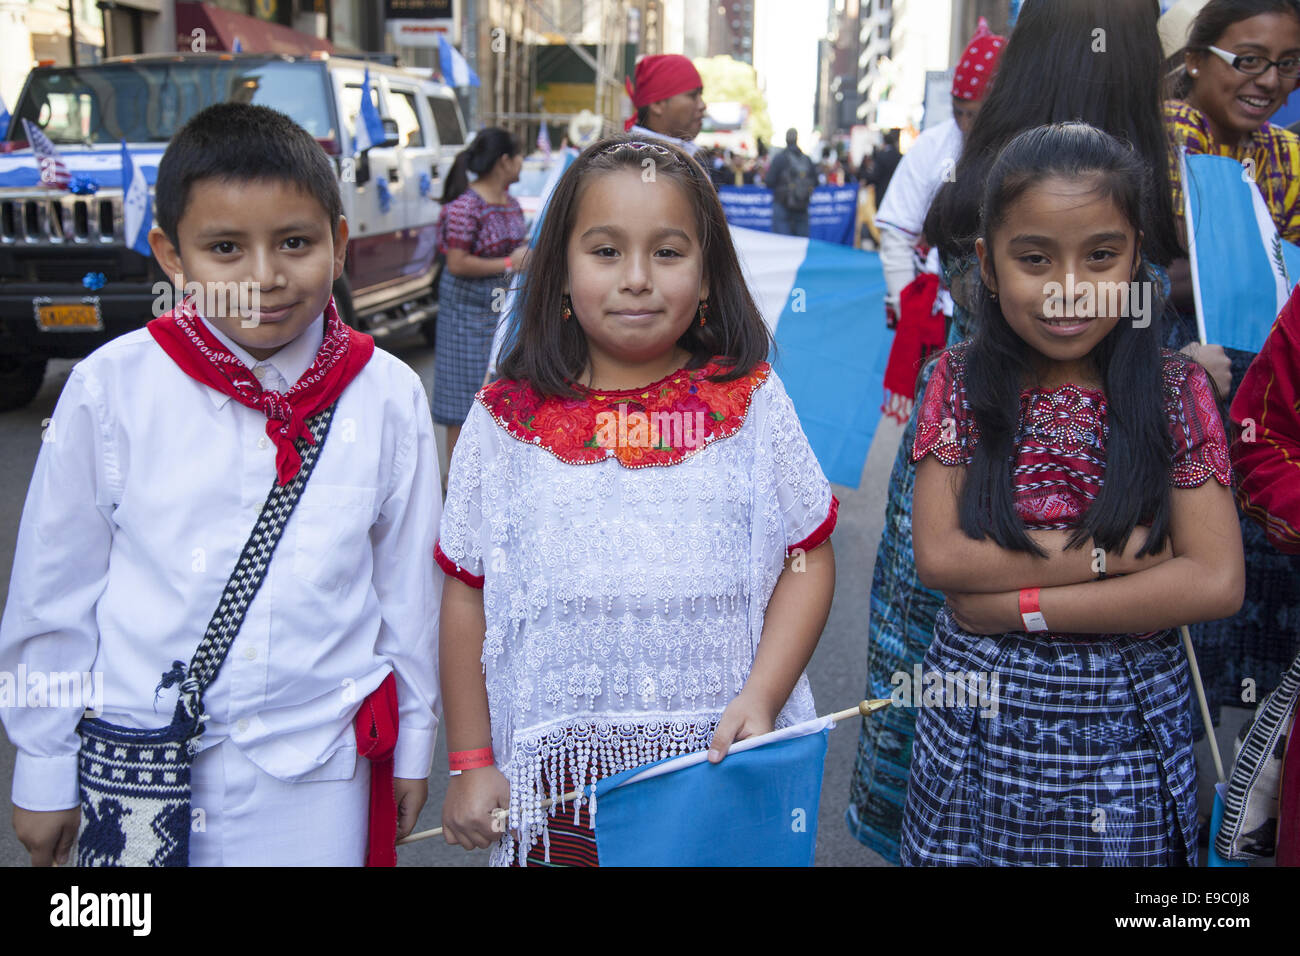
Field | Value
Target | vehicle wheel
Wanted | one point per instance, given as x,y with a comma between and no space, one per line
343,301
20,380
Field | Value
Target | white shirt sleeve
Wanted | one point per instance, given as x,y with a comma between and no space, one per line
409,588
460,542
803,494
49,633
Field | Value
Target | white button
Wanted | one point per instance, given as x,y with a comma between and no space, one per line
259,371
262,442
250,653
242,726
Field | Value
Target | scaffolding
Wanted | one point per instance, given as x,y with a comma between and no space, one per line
509,36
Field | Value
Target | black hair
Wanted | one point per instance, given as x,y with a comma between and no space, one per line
241,142
551,353
478,158
997,362
1212,21
1051,72
643,116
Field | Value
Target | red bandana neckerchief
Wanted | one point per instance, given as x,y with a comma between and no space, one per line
343,354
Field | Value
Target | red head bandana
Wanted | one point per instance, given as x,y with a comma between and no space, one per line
659,77
971,78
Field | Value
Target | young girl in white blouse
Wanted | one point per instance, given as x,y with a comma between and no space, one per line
636,529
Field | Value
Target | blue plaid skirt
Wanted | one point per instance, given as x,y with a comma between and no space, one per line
1084,759
466,325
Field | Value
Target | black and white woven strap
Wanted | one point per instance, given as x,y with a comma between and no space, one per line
250,572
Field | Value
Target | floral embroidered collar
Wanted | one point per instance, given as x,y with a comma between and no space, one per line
661,424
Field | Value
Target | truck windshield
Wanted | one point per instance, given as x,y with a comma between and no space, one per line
146,102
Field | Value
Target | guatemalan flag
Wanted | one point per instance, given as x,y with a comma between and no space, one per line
370,126
137,205
455,69
757,807
1242,270
54,172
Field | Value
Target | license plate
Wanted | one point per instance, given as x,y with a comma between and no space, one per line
70,315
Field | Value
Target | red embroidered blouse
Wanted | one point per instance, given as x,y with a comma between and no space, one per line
1061,458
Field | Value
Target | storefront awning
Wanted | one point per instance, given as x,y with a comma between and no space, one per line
222,27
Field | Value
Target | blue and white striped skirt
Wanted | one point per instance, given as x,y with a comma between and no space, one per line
466,324
1084,758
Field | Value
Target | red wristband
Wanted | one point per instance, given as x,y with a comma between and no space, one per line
470,759
1030,613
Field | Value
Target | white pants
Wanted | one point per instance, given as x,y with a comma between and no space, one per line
250,818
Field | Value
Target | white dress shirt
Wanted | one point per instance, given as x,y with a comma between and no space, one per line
145,490
901,216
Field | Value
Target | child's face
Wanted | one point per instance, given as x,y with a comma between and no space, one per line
267,234
1063,256
636,269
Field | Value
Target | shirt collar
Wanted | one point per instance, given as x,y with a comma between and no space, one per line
686,144
292,361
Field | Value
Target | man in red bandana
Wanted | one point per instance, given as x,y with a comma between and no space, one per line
901,217
668,96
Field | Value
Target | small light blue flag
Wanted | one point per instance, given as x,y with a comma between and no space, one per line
758,807
370,127
455,69
237,47
1239,262
137,205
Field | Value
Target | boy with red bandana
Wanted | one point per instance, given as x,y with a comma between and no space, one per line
166,442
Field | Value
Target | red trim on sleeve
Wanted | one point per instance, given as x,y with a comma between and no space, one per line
453,569
820,533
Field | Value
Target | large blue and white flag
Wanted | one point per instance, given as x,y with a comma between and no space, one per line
1242,270
137,205
758,807
824,303
370,126
455,69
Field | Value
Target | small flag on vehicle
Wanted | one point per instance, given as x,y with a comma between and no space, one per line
370,128
137,205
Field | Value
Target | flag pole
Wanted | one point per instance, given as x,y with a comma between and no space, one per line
864,709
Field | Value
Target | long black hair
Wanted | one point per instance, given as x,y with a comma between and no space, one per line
478,158
551,353
1212,22
1095,61
997,362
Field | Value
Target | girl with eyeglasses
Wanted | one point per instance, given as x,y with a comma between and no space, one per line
1241,62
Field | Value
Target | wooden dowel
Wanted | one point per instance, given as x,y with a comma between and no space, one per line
866,708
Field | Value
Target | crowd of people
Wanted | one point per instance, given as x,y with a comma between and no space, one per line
594,594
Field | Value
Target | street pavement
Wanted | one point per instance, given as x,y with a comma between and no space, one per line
837,672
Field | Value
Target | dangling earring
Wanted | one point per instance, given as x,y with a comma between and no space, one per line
703,312
993,296
566,308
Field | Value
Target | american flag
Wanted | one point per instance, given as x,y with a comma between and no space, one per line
544,140
54,172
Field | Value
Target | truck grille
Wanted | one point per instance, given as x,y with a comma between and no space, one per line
40,218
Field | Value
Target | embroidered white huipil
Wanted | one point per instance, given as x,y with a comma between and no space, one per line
623,604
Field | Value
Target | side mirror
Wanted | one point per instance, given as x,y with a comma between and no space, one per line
391,134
